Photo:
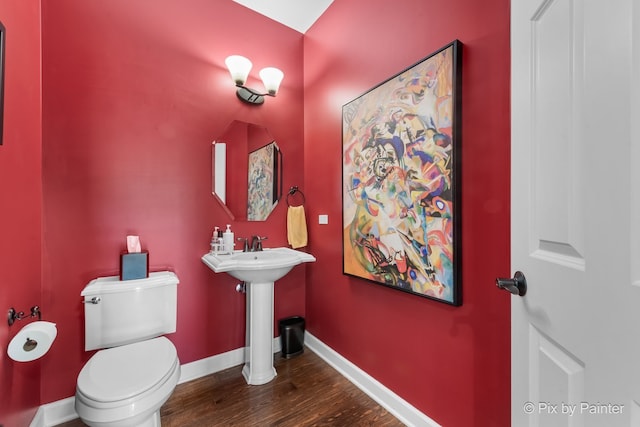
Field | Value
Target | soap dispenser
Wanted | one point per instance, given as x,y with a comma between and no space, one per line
220,244
215,244
228,239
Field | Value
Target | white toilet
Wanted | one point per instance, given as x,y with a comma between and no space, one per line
126,383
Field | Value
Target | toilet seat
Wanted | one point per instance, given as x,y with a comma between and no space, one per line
139,380
121,373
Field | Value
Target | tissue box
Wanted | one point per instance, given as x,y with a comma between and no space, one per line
134,265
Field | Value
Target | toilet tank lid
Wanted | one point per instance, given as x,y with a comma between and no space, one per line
113,284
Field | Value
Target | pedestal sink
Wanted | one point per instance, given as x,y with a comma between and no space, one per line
259,270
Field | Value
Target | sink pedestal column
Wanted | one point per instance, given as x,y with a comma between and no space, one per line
258,368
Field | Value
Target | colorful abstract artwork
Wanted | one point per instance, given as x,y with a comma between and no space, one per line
400,180
263,182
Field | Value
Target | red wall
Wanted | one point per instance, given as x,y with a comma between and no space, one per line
451,363
133,95
20,203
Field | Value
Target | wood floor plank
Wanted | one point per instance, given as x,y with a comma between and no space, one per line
307,392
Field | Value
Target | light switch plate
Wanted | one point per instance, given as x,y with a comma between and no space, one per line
323,219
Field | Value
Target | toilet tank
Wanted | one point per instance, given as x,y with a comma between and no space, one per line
122,312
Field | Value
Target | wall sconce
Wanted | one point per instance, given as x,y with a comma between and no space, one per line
239,68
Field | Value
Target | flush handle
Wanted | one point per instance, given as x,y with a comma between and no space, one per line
94,300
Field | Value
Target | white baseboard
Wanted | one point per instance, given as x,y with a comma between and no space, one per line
386,398
55,413
61,411
217,363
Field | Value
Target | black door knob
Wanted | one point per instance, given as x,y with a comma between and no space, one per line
517,285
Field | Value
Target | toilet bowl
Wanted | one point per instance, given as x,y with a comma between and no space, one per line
125,386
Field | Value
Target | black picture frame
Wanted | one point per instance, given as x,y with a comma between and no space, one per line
3,36
401,180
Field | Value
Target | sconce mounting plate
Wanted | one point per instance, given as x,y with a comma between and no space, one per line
248,96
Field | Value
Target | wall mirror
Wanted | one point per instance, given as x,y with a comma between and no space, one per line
246,171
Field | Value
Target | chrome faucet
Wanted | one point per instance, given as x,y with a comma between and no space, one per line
256,243
245,244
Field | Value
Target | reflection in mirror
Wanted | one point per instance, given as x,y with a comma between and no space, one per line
264,182
246,171
220,170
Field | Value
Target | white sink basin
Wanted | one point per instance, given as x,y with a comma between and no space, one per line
258,270
268,265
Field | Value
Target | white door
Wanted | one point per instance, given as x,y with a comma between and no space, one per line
575,206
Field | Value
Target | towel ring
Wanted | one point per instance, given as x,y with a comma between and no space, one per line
292,191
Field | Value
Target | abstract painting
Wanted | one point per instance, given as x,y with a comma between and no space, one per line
400,179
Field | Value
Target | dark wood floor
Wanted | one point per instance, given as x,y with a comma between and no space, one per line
306,392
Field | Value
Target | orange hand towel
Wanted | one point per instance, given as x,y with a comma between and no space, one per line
296,227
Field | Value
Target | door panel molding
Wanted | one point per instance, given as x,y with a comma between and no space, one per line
556,70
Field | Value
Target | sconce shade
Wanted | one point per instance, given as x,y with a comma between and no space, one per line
271,78
239,68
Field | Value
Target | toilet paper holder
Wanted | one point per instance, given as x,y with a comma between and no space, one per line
32,341
13,315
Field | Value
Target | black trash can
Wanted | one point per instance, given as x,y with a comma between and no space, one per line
291,336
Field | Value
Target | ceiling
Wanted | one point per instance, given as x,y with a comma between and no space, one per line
297,14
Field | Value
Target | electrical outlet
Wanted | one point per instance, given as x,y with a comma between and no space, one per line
323,219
